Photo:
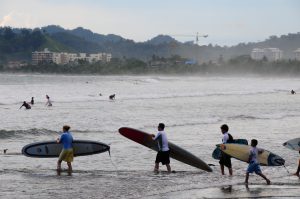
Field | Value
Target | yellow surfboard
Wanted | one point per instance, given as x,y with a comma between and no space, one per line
241,152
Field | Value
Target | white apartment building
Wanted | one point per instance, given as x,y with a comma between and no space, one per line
42,57
297,54
62,58
272,54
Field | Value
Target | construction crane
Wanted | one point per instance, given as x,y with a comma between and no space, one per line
195,36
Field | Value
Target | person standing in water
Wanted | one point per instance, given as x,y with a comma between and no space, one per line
163,154
48,103
26,105
253,162
67,153
225,159
32,101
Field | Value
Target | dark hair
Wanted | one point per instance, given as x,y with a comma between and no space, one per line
161,126
66,127
254,142
224,127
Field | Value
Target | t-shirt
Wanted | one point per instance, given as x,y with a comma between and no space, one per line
66,139
225,138
253,154
162,139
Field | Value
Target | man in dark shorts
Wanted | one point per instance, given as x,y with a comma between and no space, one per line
163,154
225,159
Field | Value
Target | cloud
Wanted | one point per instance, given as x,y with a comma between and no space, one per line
17,19
6,20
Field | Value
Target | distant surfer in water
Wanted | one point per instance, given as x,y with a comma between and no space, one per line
163,154
253,162
48,103
293,92
225,160
26,105
32,101
67,153
112,97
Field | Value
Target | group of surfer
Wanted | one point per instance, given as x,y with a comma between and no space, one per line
253,166
163,154
28,105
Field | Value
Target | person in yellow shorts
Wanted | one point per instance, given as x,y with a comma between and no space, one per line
67,152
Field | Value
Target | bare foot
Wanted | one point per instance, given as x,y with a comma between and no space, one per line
297,174
268,182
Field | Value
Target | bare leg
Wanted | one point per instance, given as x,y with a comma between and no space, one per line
247,178
264,177
230,171
156,167
222,169
69,166
59,165
169,168
298,170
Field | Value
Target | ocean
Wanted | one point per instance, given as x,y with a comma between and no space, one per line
193,108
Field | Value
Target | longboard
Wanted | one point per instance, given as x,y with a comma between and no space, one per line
241,152
293,144
51,149
217,152
176,152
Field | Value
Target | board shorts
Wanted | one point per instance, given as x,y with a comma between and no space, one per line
225,160
163,157
253,167
66,155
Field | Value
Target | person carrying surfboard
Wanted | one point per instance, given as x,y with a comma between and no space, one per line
163,154
298,170
225,160
253,162
67,152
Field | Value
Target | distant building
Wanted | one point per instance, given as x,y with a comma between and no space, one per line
272,54
62,58
42,57
297,54
16,64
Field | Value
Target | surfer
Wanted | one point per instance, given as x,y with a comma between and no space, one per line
26,105
163,154
67,153
112,97
225,160
293,92
32,101
48,103
298,170
253,162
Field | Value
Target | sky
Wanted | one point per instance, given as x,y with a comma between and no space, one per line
226,22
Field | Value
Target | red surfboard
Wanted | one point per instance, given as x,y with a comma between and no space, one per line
176,152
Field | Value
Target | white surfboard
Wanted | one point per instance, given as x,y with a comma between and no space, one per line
293,144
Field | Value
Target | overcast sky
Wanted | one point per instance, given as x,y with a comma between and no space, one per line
227,22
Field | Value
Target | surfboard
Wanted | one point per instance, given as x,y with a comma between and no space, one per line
241,152
293,144
52,149
217,152
176,152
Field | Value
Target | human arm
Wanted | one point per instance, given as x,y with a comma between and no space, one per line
156,137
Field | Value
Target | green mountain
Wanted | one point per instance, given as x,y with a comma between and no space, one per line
18,44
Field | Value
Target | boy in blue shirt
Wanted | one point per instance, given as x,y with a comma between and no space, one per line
67,153
253,162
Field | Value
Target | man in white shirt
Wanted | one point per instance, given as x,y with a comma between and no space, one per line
225,159
163,154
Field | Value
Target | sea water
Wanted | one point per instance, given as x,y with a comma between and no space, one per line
192,108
